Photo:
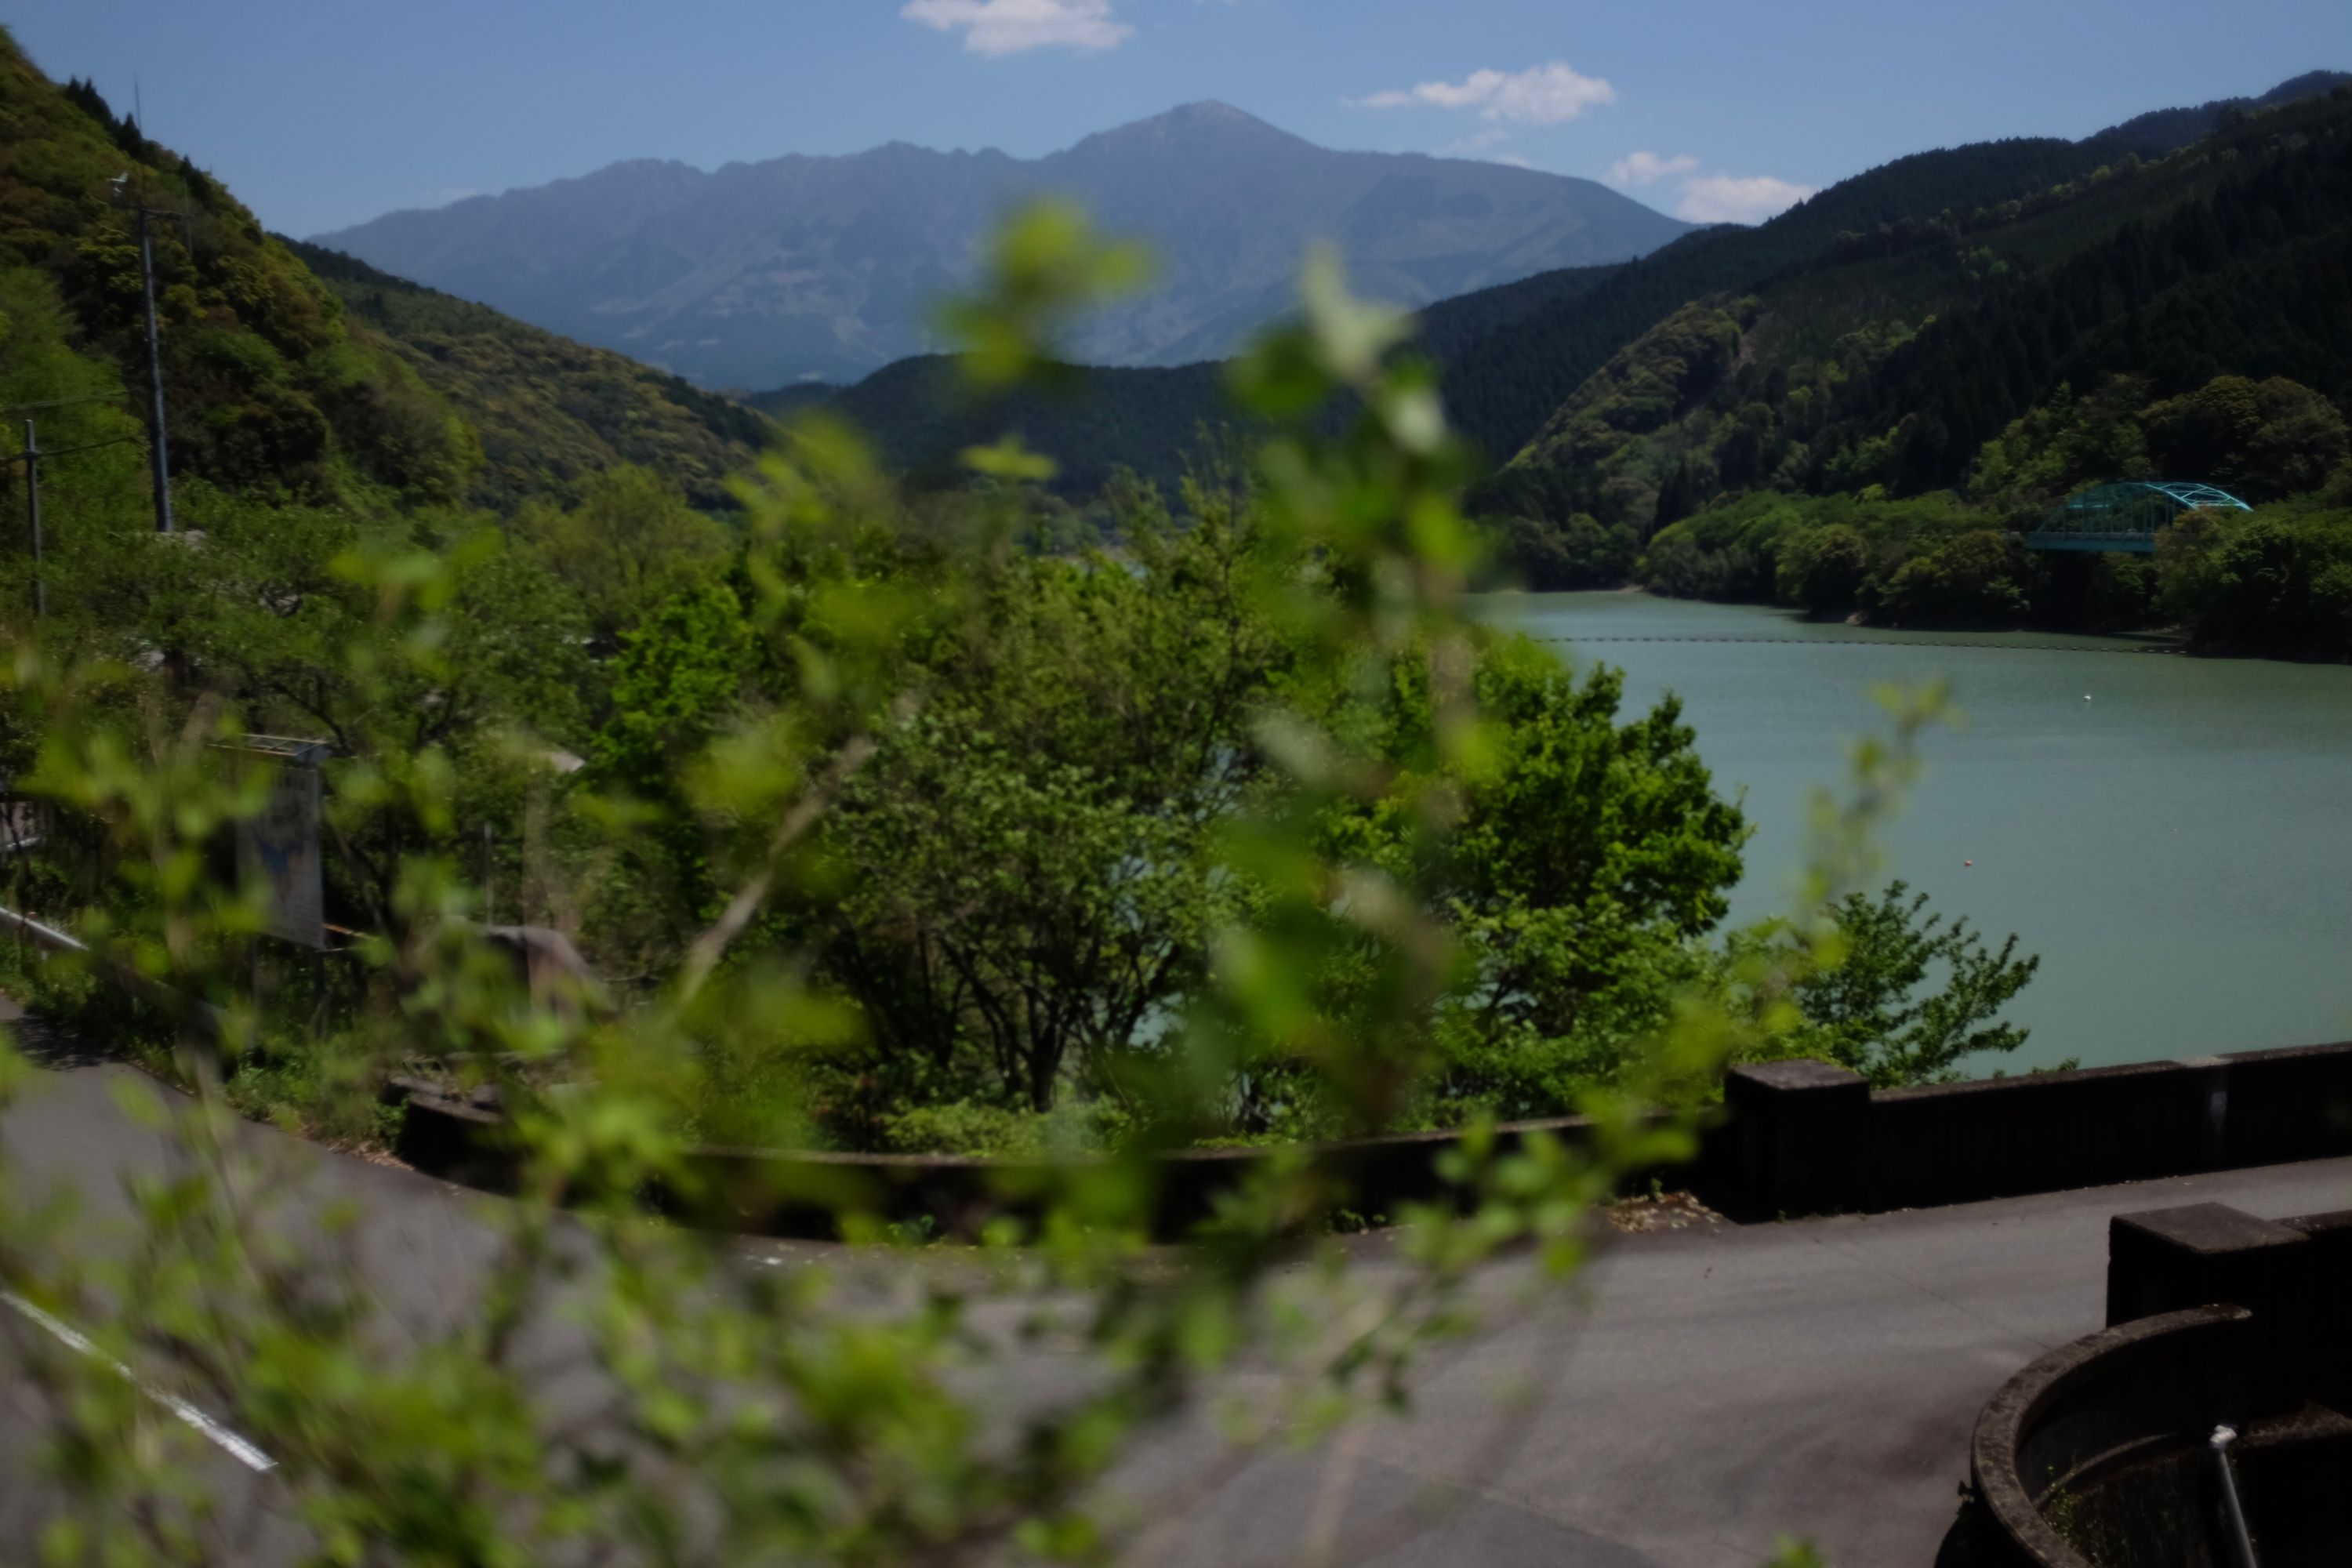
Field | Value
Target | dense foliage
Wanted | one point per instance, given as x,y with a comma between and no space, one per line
1097,422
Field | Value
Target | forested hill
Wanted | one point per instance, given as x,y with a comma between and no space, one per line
1512,355
265,386
1501,387
1872,432
1154,423
356,389
548,410
1892,359
2155,135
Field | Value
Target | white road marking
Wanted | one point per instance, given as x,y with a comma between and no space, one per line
236,1447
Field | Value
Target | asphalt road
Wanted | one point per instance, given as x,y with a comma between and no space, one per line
1705,1393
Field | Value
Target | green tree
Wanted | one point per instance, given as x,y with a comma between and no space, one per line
1585,857
2062,444
679,681
2267,438
704,1411
1824,572
1908,999
630,542
1581,553
2271,580
1974,578
1026,861
281,613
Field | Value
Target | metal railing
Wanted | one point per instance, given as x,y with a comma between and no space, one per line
203,1014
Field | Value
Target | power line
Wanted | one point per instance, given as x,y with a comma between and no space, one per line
45,453
48,452
66,402
32,455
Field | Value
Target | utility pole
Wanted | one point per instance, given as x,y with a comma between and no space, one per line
158,432
159,459
160,454
33,453
33,505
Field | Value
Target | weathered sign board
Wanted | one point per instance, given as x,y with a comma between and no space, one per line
278,851
21,824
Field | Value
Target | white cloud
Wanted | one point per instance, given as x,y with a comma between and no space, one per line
1513,160
1644,168
1009,27
1544,95
1727,198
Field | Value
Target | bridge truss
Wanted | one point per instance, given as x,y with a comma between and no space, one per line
2127,516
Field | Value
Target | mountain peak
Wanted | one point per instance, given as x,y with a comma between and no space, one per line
1211,111
1190,126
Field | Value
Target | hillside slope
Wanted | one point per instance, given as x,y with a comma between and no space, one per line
1873,433
548,410
1155,422
1893,361
263,384
290,371
760,274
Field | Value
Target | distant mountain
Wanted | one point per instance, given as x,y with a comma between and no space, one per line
824,268
1512,355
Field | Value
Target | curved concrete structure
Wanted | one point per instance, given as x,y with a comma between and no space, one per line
2072,1420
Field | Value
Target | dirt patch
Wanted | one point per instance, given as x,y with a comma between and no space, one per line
1666,1211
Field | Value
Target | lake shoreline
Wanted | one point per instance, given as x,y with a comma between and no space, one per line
2174,639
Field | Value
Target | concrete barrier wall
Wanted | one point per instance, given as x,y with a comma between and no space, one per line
2004,1136
1792,1138
1945,1143
2290,1104
803,1193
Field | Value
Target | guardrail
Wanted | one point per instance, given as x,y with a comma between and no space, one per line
203,1014
47,936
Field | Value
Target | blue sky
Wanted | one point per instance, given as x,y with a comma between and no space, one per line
325,113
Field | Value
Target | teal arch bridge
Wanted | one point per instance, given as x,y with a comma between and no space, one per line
2126,516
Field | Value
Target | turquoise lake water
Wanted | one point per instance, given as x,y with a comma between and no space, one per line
2178,848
